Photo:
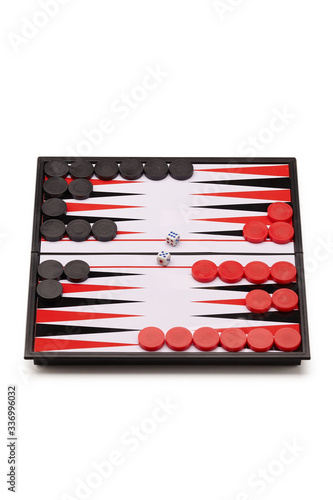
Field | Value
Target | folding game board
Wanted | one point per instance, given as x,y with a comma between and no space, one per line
113,215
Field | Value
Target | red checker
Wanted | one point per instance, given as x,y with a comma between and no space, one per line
279,211
257,272
255,231
233,339
204,271
285,300
206,339
287,339
230,271
179,338
283,272
258,301
260,340
281,232
151,338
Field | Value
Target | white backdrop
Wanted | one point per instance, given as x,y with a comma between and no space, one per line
196,78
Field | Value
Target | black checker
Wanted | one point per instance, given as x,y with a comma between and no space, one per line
181,170
77,271
104,230
53,230
81,169
80,189
78,230
54,207
106,170
56,168
49,289
55,187
131,169
156,169
50,270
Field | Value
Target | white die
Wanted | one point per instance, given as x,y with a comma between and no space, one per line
163,258
172,238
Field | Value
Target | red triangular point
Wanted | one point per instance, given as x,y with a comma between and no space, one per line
234,302
130,232
47,344
276,195
80,288
274,170
83,207
99,182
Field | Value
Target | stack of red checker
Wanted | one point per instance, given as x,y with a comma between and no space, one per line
280,231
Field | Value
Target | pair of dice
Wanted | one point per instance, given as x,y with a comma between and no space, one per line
163,258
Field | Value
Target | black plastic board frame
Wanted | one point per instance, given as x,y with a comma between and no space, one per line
268,358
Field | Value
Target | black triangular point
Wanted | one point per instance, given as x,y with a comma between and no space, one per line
103,274
247,207
44,330
221,233
102,194
273,317
92,219
279,182
82,301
